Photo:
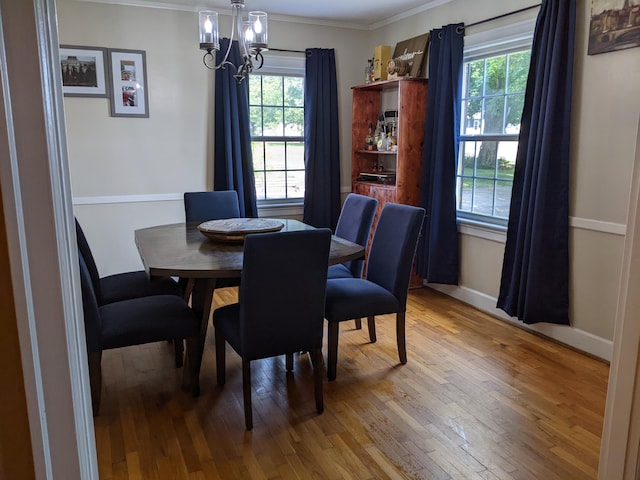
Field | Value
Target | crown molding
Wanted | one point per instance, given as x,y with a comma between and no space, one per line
284,18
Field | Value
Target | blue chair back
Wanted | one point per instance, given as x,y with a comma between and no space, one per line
354,224
282,292
90,263
393,247
216,205
92,321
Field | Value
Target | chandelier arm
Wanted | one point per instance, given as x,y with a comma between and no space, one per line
204,60
259,58
224,60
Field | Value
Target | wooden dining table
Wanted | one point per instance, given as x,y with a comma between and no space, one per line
181,250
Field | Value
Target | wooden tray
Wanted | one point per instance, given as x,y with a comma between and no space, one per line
235,229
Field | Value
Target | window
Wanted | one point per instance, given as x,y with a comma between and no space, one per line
276,104
494,82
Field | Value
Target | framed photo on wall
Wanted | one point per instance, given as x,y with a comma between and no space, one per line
83,71
128,73
615,25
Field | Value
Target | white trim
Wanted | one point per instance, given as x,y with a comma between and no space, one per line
487,231
112,199
44,271
53,103
497,233
429,4
498,40
619,452
481,230
274,211
598,226
409,13
268,210
576,338
17,245
282,64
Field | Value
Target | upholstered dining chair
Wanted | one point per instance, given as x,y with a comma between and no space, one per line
280,308
385,286
201,207
205,206
354,224
127,285
133,322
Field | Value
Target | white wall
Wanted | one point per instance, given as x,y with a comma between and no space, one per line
167,153
605,111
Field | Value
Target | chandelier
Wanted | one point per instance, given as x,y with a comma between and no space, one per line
252,34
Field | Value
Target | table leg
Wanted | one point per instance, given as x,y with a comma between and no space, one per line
201,300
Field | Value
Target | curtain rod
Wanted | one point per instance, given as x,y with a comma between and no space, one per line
285,50
502,16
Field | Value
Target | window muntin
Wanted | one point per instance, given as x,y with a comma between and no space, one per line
492,101
276,109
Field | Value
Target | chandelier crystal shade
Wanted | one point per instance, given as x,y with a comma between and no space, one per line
252,32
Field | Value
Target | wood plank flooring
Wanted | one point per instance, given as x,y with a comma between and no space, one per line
478,399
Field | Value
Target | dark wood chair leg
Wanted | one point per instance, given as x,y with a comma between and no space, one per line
316,355
220,357
187,287
400,335
246,393
178,346
371,322
289,361
358,323
332,350
192,364
95,380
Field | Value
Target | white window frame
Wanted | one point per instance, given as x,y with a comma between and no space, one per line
497,41
293,65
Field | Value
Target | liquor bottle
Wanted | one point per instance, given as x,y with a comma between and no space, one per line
382,140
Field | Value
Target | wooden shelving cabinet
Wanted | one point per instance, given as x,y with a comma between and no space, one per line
406,161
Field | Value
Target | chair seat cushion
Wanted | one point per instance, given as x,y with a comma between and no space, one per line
339,271
128,285
349,298
146,320
226,320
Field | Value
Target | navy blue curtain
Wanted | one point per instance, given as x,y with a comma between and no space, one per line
233,160
321,139
535,272
438,255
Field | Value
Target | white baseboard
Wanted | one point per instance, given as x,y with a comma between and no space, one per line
576,338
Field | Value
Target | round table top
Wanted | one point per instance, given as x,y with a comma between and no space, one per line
180,249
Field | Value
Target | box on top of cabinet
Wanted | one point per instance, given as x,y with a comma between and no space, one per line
381,56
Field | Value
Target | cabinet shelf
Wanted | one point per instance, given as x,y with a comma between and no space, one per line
377,152
387,84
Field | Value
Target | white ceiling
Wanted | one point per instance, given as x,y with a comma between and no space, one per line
352,13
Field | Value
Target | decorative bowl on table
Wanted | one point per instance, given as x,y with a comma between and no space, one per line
235,229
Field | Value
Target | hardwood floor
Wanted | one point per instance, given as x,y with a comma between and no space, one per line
478,399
